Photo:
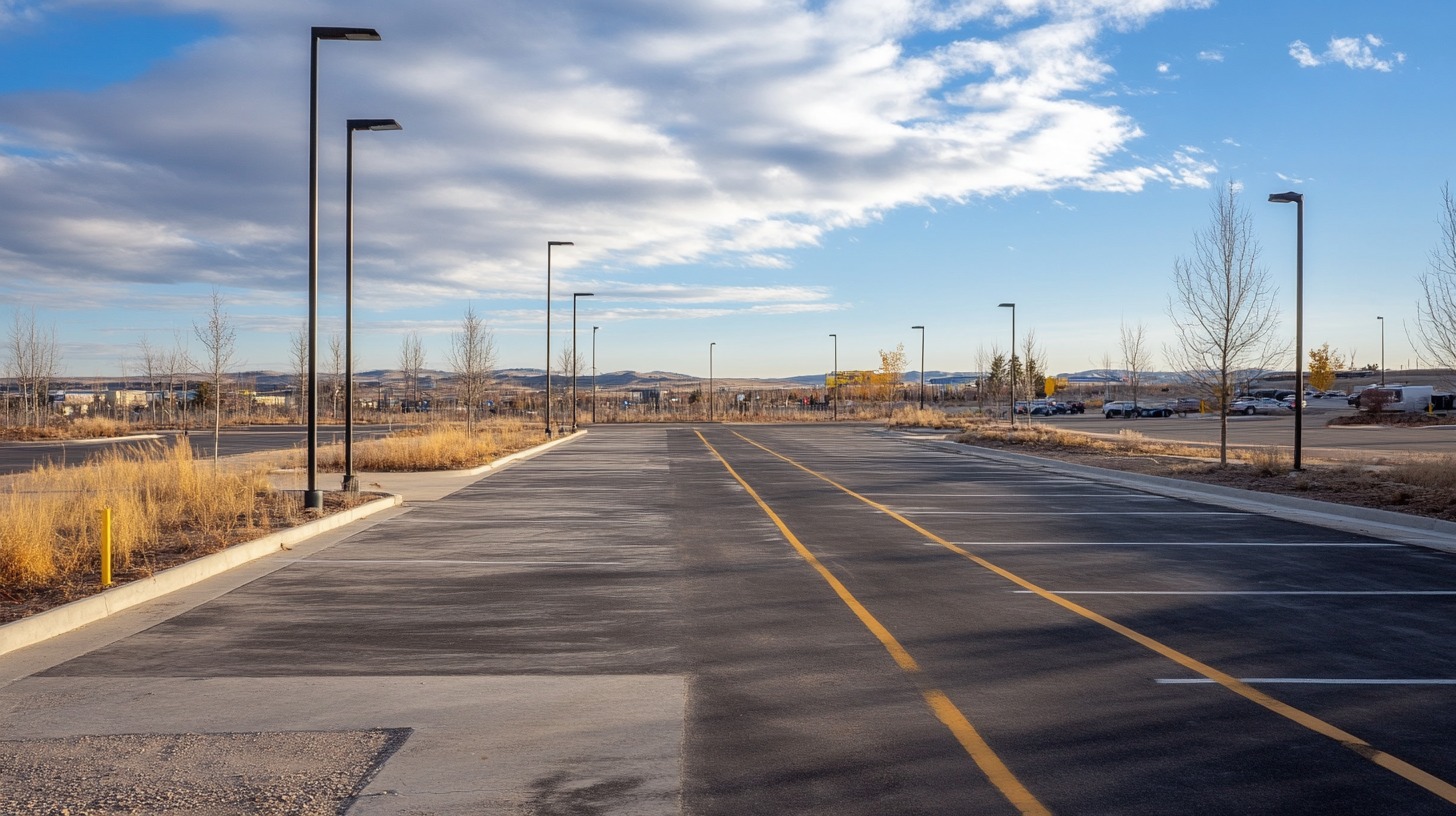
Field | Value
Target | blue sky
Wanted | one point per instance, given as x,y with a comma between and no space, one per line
755,174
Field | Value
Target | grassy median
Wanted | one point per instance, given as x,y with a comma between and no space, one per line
439,446
166,507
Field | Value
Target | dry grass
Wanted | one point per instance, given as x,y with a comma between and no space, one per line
84,428
1128,442
445,446
1437,473
1269,461
165,507
911,417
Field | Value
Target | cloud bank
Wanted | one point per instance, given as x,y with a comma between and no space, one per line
653,133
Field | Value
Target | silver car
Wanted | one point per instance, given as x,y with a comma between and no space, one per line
1260,405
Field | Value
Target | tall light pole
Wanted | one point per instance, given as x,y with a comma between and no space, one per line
1012,307
594,374
313,498
710,381
1382,350
1298,200
351,483
574,366
922,365
549,245
834,392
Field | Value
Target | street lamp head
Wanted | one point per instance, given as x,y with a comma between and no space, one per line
922,328
1378,317
1006,305
833,335
1286,198
583,294
374,124
560,243
337,33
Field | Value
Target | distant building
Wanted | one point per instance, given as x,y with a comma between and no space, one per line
123,398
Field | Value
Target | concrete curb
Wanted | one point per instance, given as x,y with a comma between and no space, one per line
520,456
1407,529
64,618
96,441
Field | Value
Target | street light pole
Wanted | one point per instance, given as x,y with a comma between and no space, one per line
549,245
1298,200
710,381
313,498
922,365
594,374
834,390
351,483
1382,350
574,366
1012,363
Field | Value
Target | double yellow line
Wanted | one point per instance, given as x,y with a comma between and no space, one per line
946,711
990,764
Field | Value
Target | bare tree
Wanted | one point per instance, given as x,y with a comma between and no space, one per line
151,363
218,339
1109,376
1223,311
1136,357
1435,330
472,355
412,365
983,364
568,371
175,364
1033,367
335,387
35,359
298,355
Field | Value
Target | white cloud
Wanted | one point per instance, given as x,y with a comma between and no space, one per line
1353,52
651,132
1164,67
1211,56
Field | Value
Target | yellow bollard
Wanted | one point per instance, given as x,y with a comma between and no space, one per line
105,547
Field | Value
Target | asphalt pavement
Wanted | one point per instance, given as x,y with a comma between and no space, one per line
804,619
19,457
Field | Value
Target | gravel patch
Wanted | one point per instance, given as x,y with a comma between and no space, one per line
296,773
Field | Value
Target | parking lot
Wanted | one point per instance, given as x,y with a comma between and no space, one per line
800,620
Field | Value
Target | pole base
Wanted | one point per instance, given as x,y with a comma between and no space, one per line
313,500
351,483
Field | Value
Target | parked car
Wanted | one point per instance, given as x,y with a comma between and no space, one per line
1289,400
1042,408
1072,407
1121,408
1186,405
1260,405
1155,410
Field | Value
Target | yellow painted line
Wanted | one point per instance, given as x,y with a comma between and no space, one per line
1405,770
980,752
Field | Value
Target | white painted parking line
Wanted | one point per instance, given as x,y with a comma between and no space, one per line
1242,592
1177,544
1080,513
1105,494
1319,681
